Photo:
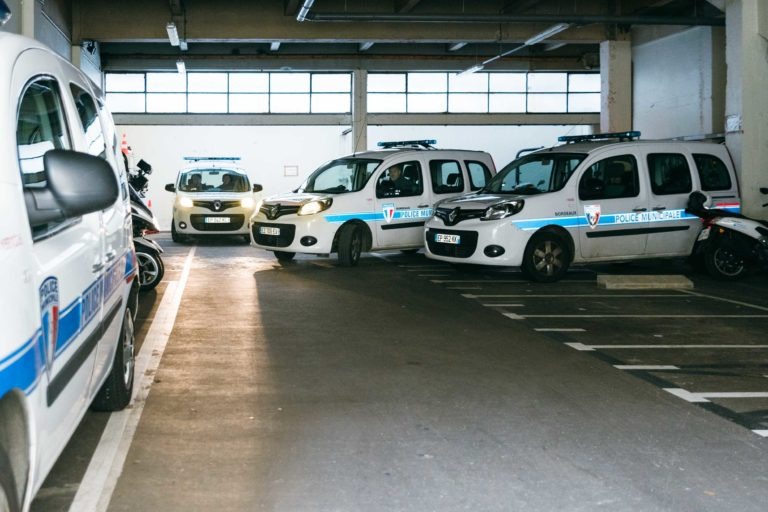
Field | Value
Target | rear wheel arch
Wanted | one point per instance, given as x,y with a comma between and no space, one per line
562,233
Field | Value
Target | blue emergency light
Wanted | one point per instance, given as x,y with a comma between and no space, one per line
209,158
621,136
426,143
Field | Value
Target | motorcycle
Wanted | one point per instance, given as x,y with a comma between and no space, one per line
730,245
151,268
138,177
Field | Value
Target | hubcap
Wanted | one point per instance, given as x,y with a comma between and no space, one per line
356,245
148,269
728,263
547,258
128,346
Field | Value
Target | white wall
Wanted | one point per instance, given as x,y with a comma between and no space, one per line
678,81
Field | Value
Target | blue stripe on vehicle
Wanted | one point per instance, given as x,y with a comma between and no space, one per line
624,218
415,213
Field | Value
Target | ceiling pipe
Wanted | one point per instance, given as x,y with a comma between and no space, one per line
507,18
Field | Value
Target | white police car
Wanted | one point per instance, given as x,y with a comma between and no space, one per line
69,291
213,197
596,198
368,201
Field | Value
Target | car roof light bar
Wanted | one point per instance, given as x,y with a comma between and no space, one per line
209,158
426,143
621,136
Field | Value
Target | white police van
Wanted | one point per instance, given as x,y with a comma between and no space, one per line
69,291
595,198
213,197
368,201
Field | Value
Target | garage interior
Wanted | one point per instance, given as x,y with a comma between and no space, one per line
403,384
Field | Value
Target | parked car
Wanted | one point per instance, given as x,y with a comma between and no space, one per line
368,201
69,293
213,197
596,198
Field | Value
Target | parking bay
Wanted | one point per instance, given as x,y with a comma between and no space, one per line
409,385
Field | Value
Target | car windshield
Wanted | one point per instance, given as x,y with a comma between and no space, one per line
535,174
213,180
340,176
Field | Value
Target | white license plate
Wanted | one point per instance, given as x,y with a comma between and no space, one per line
704,234
269,231
447,239
217,220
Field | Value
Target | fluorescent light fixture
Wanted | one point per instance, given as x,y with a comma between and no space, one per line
274,46
547,33
181,67
473,69
366,46
456,46
183,46
304,11
173,34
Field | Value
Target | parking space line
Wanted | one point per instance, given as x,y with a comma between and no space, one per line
513,316
763,433
646,316
560,329
591,348
106,465
558,296
692,397
647,367
507,306
721,299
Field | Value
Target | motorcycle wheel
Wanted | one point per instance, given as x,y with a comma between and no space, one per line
723,263
151,269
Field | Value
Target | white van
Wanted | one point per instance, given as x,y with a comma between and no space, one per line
596,198
213,197
69,291
368,201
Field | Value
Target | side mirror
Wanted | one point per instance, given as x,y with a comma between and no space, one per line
257,187
170,187
76,184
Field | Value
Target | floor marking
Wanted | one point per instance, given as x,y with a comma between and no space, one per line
648,367
513,316
504,281
591,348
686,395
510,306
557,296
431,275
100,479
463,288
702,397
559,329
646,316
721,299
763,433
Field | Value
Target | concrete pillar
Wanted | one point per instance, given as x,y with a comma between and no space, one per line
616,86
746,115
359,110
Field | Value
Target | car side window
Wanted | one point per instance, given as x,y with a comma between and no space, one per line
446,176
479,174
713,173
40,127
669,173
89,120
401,180
612,178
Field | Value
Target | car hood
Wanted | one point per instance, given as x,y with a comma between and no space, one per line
295,199
477,201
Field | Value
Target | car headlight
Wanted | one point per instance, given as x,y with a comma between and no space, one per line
503,210
314,207
186,202
247,202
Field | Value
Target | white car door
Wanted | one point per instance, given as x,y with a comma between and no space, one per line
402,202
65,266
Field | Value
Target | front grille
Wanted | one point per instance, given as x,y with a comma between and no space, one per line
211,205
235,222
284,239
275,211
452,216
465,249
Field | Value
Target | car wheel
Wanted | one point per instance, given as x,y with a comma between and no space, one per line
8,499
115,393
546,258
151,269
350,245
723,263
284,256
176,237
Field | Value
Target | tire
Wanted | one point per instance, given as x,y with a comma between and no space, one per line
284,256
350,245
151,269
8,500
115,393
546,258
247,239
176,237
722,263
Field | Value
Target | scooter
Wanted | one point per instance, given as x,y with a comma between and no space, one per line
151,268
730,245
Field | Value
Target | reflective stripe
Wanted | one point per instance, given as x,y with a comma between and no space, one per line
411,213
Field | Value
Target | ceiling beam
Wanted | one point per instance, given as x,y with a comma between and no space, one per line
519,6
580,19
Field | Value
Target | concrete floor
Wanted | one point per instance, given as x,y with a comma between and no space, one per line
309,387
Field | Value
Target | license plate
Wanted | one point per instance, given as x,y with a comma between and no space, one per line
269,231
217,220
704,234
447,239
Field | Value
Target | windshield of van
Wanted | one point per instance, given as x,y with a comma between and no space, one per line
535,174
341,176
213,180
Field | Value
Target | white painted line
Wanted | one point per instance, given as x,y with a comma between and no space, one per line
581,347
646,316
763,433
702,397
567,296
635,347
693,398
463,288
649,367
559,329
510,306
721,299
98,483
513,316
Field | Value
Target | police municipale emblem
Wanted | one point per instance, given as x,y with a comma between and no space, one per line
389,212
592,213
49,317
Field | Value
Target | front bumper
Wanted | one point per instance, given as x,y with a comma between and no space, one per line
475,237
201,221
311,234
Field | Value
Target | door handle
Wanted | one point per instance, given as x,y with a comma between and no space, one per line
659,208
111,255
639,209
423,206
97,267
